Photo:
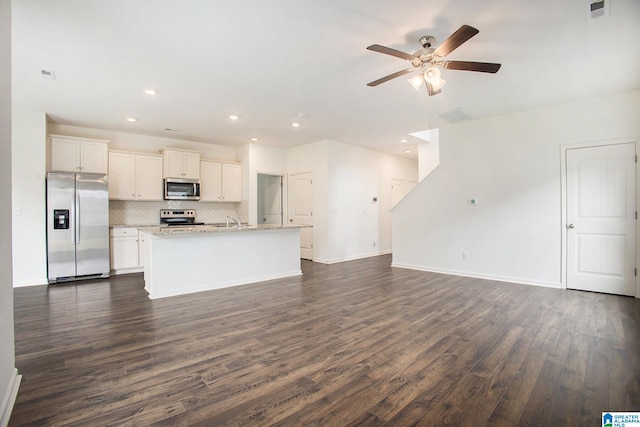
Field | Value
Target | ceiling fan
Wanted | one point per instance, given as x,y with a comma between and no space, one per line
429,60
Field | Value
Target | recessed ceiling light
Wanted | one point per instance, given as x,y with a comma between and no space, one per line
150,91
403,140
132,119
295,124
407,151
233,117
254,139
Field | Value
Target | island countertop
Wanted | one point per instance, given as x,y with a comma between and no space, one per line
194,229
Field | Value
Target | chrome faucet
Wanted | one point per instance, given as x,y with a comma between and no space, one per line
237,221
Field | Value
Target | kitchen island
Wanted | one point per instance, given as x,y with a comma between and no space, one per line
182,260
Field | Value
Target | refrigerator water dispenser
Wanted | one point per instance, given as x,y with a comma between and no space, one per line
61,219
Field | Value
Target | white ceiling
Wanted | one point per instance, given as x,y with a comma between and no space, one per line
274,62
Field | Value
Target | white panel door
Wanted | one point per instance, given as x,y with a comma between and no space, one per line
301,210
397,191
601,218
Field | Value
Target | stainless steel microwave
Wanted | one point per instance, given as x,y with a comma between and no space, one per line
181,189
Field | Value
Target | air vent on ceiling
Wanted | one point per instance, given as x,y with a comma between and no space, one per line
457,115
597,9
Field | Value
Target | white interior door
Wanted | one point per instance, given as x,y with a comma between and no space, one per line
601,218
397,191
301,210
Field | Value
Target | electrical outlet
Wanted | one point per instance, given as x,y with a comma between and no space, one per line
374,244
465,255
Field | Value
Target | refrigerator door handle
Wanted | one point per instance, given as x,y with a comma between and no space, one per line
76,231
72,222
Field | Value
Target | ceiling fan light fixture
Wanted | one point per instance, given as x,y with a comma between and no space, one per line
432,75
416,81
438,85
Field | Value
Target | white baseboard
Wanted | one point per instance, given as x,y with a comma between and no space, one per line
353,258
9,398
25,283
127,271
517,280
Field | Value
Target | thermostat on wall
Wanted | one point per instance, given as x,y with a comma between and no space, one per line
473,201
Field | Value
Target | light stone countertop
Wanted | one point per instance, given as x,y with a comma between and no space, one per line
195,229
133,225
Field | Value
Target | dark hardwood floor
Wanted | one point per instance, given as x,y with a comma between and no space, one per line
356,343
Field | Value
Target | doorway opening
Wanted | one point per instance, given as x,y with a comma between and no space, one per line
270,203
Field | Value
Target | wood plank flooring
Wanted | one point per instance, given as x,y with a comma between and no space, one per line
356,343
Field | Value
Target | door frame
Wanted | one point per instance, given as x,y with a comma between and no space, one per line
289,215
284,195
563,204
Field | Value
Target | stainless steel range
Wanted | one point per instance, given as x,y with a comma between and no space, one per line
178,217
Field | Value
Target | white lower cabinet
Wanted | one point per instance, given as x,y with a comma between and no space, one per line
125,250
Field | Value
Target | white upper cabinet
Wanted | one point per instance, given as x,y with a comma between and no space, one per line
135,176
149,177
181,164
220,182
122,176
71,154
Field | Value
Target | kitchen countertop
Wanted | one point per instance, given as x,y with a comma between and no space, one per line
214,224
133,225
222,228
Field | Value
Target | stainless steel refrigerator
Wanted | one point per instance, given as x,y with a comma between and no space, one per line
77,226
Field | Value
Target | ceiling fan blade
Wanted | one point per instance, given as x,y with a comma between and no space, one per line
390,76
392,52
482,67
461,35
430,90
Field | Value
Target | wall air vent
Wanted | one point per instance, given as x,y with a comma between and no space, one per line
456,115
596,9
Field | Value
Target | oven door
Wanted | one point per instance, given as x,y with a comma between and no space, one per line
181,189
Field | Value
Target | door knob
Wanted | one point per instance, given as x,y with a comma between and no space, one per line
571,226
290,219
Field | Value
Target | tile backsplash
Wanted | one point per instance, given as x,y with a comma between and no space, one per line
124,212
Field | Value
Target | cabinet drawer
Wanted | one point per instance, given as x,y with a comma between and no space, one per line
123,232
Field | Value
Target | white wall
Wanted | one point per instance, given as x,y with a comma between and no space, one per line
429,154
9,378
29,129
511,163
313,158
346,178
259,159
